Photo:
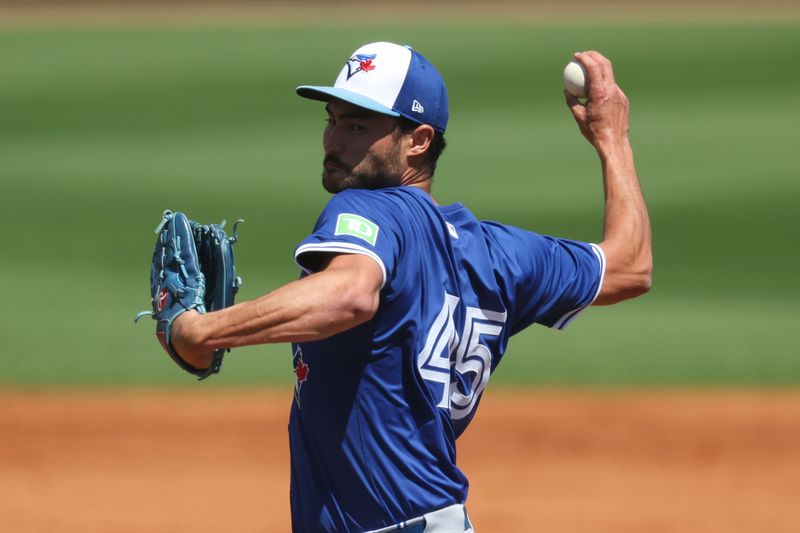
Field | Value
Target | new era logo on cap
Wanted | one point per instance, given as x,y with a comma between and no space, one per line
390,79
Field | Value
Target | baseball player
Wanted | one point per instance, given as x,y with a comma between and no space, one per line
404,307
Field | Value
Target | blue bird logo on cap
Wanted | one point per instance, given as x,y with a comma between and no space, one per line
360,63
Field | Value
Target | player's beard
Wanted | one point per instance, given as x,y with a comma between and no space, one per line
372,172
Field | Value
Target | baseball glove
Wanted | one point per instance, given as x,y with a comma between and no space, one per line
192,268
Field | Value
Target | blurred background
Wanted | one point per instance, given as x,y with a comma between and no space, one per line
111,112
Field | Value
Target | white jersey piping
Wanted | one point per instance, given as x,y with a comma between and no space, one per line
565,320
340,248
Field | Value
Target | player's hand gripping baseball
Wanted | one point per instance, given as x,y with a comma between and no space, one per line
627,243
603,119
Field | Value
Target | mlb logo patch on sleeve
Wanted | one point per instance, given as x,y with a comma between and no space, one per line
357,226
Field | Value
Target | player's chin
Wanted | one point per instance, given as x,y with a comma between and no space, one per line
335,180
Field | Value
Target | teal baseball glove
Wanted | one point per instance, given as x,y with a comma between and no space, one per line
192,268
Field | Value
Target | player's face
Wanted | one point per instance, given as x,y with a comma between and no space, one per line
362,149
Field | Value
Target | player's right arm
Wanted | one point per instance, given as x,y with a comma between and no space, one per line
343,293
627,242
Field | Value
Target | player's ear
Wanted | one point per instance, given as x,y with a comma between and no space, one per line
421,139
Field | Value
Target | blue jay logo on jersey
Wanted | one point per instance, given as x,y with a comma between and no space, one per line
360,63
301,372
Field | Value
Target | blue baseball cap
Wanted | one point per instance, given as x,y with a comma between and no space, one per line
390,79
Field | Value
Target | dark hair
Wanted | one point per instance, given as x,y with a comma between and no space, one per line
438,144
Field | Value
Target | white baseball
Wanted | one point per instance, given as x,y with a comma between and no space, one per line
575,79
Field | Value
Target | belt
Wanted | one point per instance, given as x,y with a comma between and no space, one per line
446,520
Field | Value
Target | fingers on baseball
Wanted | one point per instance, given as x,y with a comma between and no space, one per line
593,73
599,71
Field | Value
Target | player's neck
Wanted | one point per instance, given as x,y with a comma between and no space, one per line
424,185
414,177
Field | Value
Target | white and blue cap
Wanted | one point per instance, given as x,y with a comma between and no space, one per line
390,79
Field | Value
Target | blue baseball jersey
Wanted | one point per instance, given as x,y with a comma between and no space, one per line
378,408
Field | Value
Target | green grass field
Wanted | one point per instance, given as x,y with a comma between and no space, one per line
101,130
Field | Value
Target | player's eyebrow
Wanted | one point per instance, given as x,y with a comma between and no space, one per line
355,114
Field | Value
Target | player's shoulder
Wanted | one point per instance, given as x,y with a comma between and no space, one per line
390,209
499,230
506,239
385,200
383,193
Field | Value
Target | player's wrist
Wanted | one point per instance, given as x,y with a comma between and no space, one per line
616,148
188,341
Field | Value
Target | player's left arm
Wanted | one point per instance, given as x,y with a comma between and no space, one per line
627,242
343,294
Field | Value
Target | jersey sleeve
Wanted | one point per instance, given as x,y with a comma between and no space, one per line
353,222
546,280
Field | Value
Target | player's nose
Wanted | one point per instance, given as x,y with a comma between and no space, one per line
332,141
335,137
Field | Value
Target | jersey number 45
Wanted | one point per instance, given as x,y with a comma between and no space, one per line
456,363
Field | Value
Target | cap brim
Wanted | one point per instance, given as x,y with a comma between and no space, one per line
325,94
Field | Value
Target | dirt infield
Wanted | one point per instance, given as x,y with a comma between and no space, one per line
539,462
